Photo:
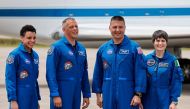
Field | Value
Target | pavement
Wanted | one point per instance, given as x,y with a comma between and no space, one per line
91,53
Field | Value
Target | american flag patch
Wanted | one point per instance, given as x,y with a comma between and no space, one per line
139,50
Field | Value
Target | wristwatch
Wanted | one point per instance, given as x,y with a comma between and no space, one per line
138,94
174,102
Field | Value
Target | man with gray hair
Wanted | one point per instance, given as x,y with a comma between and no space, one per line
66,70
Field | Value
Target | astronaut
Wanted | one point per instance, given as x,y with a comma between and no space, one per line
22,72
66,70
164,76
119,75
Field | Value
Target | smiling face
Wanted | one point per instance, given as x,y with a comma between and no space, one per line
117,29
70,29
160,40
160,44
29,40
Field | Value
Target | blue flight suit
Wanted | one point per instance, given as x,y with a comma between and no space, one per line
164,81
119,72
66,73
21,78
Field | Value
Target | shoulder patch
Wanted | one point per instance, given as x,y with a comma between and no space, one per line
10,59
50,51
36,61
177,63
81,53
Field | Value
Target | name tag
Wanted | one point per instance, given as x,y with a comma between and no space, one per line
123,51
162,64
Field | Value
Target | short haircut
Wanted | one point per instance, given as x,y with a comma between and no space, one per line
65,20
25,29
159,34
118,18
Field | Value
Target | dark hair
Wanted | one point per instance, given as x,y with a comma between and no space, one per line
159,34
25,29
118,18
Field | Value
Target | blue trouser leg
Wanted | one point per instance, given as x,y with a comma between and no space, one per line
27,98
77,98
164,98
125,95
67,91
107,95
150,99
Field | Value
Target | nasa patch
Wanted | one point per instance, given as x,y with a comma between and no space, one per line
109,51
10,59
27,61
68,65
70,53
23,74
151,62
50,51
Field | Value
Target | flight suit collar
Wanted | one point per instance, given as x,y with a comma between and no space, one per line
124,41
119,49
166,54
21,47
64,39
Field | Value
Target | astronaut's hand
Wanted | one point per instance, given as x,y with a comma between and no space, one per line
99,101
135,101
14,105
85,103
172,106
57,102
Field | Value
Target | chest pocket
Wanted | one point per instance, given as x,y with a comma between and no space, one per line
28,68
81,56
151,70
151,74
124,55
77,60
107,61
24,70
108,58
36,66
163,68
160,70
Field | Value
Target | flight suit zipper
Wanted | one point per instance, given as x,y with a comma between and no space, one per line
33,70
115,75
